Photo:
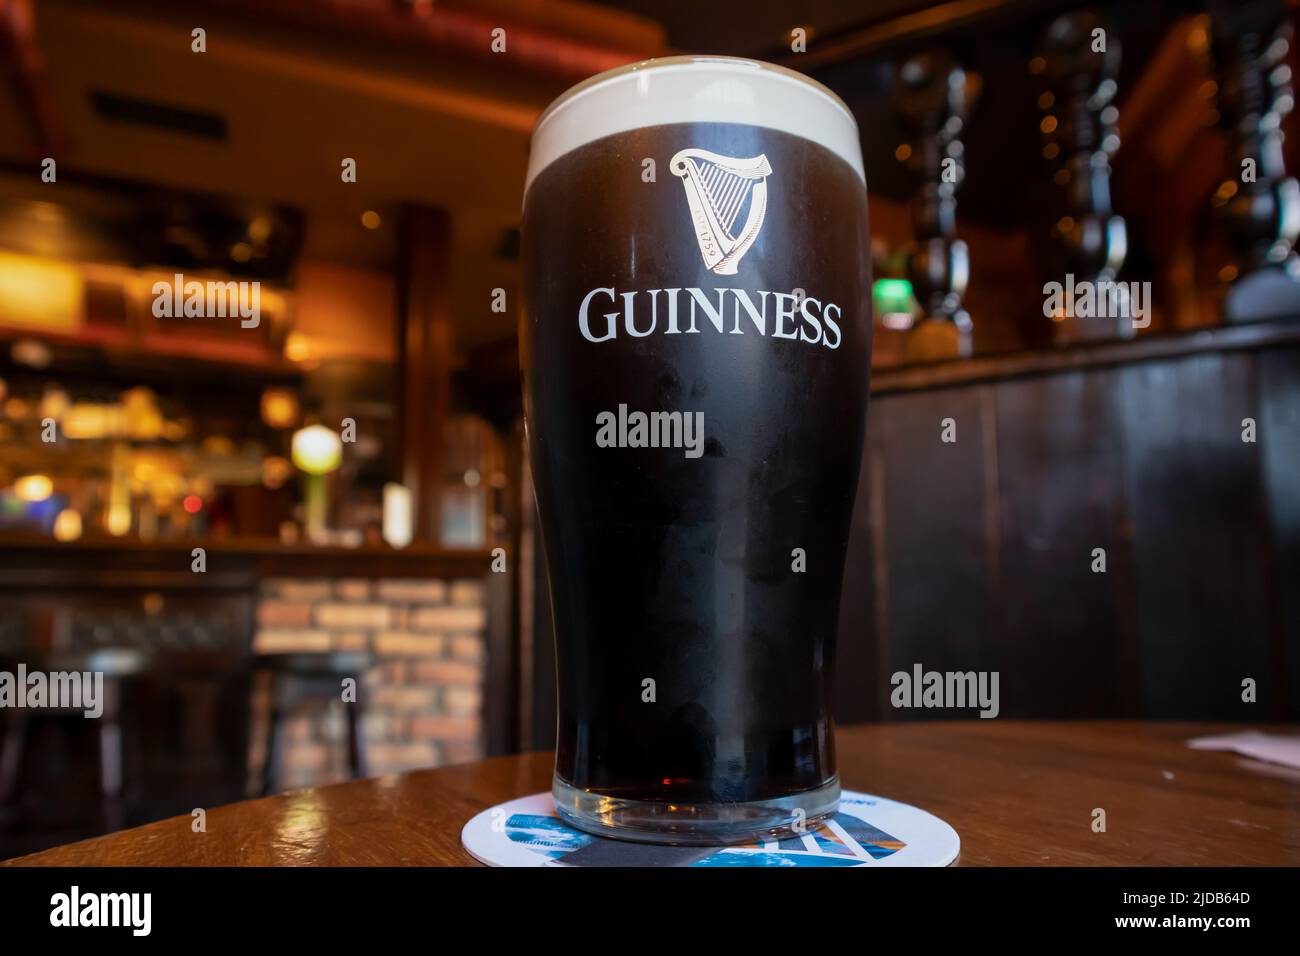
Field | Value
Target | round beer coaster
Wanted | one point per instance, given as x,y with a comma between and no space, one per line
866,831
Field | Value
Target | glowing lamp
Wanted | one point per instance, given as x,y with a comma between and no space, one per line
399,515
33,488
67,525
42,294
317,450
118,519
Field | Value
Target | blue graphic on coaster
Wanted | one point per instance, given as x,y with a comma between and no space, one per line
866,831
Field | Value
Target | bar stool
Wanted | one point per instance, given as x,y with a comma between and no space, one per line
118,665
299,678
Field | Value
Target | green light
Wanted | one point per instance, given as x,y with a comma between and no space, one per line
892,295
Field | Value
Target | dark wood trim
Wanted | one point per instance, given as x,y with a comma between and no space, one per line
930,21
1147,348
425,359
539,44
28,78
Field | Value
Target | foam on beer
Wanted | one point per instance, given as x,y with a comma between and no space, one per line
694,89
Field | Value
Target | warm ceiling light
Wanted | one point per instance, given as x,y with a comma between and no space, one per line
317,450
280,408
33,488
370,219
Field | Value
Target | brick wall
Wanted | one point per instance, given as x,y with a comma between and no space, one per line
424,697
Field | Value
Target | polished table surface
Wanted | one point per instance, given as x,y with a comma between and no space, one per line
1018,793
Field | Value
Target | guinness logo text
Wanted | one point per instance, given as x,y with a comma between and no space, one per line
781,315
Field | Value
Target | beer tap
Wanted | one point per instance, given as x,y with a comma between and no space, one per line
1258,204
1079,60
932,94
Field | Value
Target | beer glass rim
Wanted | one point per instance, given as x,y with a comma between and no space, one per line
836,129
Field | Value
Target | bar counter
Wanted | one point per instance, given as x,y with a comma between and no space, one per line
1018,793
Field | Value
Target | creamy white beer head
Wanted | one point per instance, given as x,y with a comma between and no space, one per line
695,89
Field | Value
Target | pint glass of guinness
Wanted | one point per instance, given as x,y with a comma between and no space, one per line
695,346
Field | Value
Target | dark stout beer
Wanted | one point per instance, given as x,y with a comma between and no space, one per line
695,344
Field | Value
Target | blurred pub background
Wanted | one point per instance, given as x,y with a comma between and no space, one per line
352,468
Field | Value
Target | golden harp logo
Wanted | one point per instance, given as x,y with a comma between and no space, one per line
718,188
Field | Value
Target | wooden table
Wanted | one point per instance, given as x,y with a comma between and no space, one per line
1019,793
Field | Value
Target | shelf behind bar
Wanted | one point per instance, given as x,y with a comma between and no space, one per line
117,353
28,560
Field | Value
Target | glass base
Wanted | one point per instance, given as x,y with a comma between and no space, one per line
697,824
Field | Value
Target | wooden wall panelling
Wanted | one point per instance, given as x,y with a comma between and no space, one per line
1200,536
1066,646
937,498
1279,448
